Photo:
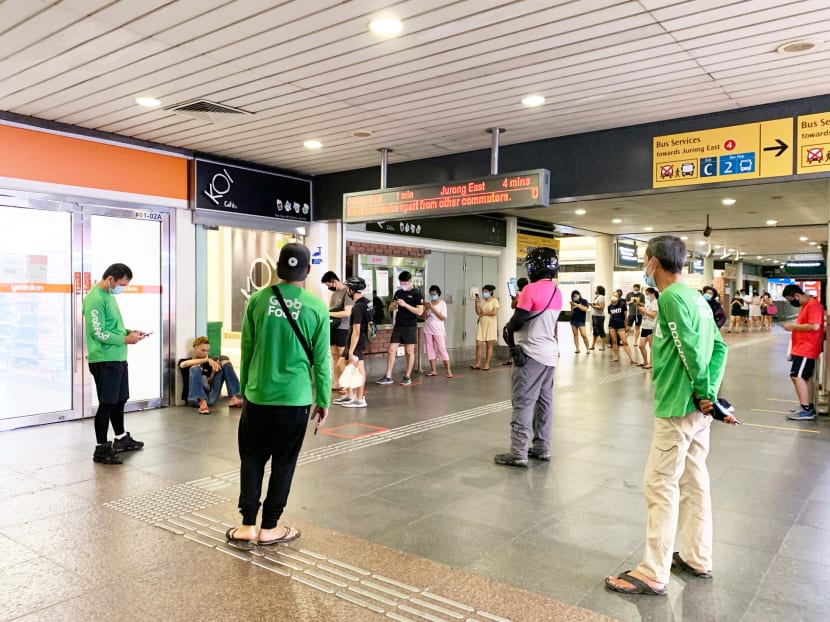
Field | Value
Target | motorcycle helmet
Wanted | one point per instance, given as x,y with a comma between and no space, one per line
542,262
355,284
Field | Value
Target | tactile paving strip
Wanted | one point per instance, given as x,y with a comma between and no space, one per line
165,503
382,595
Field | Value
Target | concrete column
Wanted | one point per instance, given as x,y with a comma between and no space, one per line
708,270
322,258
507,269
604,264
739,276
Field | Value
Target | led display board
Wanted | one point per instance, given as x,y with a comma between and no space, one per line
486,194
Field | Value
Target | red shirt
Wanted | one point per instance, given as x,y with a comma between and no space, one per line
808,344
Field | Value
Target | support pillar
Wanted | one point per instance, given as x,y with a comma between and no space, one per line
603,264
708,270
507,269
739,276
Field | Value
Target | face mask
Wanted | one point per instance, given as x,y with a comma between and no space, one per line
649,279
117,289
406,286
795,302
575,298
332,288
707,296
433,296
485,295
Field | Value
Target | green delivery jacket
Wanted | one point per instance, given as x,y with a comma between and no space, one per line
105,330
689,353
274,369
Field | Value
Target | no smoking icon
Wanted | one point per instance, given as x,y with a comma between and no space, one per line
729,145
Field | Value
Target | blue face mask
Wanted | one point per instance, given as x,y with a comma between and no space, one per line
649,280
707,296
485,295
433,296
117,289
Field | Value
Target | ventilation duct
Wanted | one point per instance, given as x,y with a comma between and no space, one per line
205,110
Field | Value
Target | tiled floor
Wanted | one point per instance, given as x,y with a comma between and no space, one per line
430,509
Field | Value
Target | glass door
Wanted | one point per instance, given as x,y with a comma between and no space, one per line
37,315
140,239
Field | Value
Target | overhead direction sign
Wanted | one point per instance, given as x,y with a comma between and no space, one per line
485,194
813,135
749,151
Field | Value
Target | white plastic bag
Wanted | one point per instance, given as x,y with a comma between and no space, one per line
351,378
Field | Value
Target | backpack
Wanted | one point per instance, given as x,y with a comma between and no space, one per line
719,315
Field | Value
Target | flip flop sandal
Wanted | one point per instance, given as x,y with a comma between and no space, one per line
290,535
678,564
430,374
450,376
640,587
475,367
204,411
238,543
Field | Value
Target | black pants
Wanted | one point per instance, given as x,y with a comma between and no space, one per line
112,384
274,432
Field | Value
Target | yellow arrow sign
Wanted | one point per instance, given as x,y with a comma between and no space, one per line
733,153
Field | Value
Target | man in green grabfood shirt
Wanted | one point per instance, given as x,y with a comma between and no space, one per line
689,362
275,378
106,346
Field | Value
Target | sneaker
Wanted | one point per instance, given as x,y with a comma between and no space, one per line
799,409
127,443
803,415
510,460
105,455
385,380
538,455
406,381
356,403
342,401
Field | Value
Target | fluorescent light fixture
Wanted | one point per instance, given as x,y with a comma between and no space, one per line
729,201
648,228
758,257
580,212
731,250
312,144
813,243
772,222
386,26
684,237
532,101
803,238
617,221
147,102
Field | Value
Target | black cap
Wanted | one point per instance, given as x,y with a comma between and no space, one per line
293,262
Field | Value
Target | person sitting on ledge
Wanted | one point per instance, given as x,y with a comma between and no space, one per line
203,376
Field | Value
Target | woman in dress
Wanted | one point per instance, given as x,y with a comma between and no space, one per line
766,318
435,331
755,312
598,318
487,309
649,312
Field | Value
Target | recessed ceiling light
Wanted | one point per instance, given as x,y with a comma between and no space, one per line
312,144
362,133
386,26
771,222
731,250
648,228
532,101
813,243
684,237
718,246
147,102
758,257
801,46
580,212
803,238
700,242
617,221
729,201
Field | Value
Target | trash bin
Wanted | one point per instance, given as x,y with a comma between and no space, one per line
214,335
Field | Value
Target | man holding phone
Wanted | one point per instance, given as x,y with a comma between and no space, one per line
106,345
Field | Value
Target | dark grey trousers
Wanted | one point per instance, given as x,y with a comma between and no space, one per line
532,421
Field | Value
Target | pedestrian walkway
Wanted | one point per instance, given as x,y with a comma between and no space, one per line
405,516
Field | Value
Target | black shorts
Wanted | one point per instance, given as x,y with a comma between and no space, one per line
404,334
359,349
616,326
646,332
339,337
598,325
635,320
112,382
802,367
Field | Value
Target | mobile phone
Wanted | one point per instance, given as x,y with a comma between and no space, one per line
511,287
146,334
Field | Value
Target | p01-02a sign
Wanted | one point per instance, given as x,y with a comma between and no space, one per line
486,194
237,190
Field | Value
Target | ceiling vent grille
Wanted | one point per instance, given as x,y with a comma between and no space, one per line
205,110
